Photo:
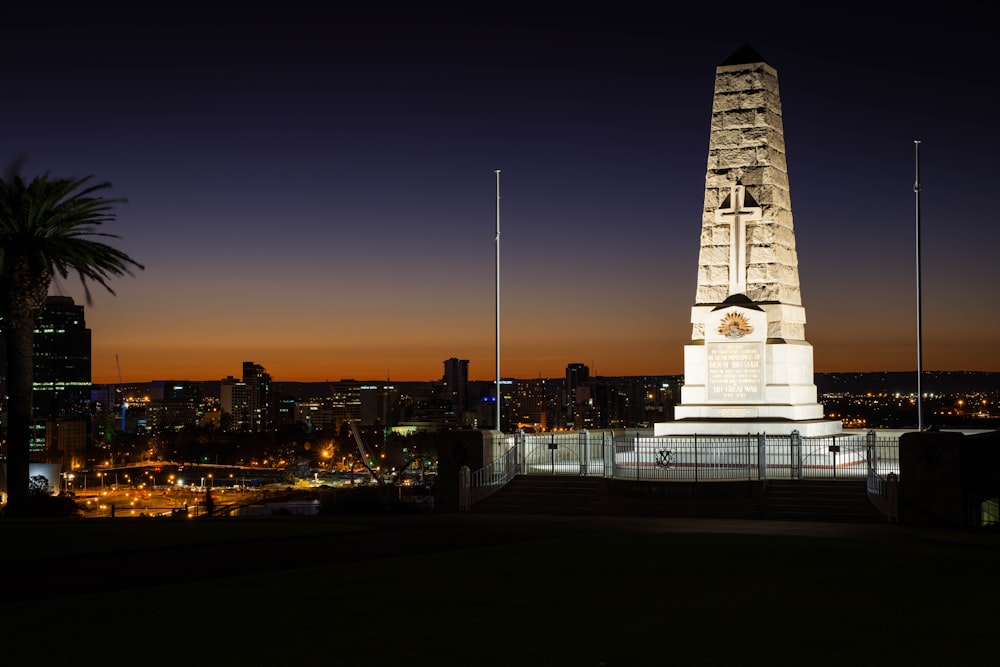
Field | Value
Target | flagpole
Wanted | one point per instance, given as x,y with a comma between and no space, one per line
497,423
920,344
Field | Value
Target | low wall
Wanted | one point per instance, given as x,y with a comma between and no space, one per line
945,477
456,449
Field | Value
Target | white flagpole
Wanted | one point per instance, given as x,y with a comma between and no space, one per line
920,344
498,394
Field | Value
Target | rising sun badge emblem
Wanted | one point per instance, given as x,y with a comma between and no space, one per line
735,325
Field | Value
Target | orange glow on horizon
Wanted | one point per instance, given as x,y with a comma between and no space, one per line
517,361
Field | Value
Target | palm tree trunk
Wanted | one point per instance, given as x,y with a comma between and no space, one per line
23,295
19,335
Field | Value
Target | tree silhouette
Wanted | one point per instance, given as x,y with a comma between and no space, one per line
48,228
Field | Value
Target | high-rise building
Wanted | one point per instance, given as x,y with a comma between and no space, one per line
456,386
61,385
346,402
527,405
248,404
577,375
174,403
235,402
379,405
262,396
577,393
314,415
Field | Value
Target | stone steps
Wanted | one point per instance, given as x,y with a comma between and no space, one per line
820,500
799,500
536,494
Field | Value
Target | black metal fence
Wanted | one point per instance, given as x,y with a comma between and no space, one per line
640,456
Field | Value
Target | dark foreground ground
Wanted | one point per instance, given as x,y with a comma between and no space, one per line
452,589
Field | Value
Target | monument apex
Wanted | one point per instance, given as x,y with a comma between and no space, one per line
743,55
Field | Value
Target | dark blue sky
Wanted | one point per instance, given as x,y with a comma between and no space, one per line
314,190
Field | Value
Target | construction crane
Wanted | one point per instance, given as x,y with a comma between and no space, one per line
363,450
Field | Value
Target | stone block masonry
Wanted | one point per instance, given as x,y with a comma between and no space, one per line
748,367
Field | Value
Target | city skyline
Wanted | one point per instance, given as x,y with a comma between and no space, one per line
315,192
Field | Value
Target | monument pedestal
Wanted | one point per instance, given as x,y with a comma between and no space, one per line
738,381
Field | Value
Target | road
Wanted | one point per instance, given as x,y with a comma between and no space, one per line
128,502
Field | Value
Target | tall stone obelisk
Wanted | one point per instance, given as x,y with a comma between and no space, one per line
748,367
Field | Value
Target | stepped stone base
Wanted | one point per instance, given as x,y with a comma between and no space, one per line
739,380
813,428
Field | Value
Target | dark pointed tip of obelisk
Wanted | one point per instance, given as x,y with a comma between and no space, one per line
744,55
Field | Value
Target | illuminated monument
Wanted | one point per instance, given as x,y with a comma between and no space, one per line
748,367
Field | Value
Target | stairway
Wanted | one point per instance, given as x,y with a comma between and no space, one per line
792,500
819,500
534,494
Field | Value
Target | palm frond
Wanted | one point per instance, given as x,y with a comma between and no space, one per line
52,226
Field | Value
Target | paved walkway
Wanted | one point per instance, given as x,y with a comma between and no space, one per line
238,546
462,526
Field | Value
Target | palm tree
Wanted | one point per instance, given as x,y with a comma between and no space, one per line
48,228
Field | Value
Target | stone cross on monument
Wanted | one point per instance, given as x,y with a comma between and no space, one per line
737,215
748,367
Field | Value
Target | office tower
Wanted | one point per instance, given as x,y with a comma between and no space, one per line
379,405
261,396
235,401
456,385
527,406
174,403
61,386
577,392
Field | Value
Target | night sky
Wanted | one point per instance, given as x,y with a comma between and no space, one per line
315,191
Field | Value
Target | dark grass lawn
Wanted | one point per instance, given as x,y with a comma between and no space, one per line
467,591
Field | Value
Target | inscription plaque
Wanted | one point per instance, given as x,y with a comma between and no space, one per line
735,372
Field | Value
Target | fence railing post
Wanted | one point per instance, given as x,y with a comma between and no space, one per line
696,458
750,459
834,450
522,453
796,440
637,457
870,450
609,453
761,455
584,448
